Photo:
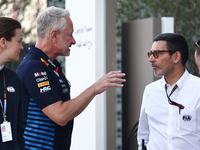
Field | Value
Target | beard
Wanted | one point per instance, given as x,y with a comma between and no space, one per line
156,71
160,71
157,75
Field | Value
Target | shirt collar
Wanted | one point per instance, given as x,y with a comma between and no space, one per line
182,80
54,64
1,67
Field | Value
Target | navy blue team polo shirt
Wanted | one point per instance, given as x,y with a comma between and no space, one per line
43,84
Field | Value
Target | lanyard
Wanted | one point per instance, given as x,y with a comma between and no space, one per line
172,102
5,101
57,69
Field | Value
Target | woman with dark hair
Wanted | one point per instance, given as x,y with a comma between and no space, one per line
11,114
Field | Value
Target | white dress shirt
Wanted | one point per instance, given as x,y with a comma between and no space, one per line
163,126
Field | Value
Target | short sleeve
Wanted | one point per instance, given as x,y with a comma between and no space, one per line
39,83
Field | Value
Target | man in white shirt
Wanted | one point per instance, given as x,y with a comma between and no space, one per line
169,117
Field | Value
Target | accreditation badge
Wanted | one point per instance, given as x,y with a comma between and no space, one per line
6,131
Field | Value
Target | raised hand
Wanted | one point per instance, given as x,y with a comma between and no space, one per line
108,80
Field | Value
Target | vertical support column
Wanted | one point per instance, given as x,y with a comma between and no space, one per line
101,102
99,59
137,37
85,66
110,65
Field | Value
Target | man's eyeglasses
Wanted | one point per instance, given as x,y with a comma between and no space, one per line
156,53
197,43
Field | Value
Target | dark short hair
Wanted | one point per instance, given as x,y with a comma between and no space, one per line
175,42
7,27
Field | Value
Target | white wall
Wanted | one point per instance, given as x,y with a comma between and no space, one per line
84,66
167,24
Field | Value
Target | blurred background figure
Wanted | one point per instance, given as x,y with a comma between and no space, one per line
197,54
10,86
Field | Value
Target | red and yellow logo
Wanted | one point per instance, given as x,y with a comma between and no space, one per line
44,62
43,84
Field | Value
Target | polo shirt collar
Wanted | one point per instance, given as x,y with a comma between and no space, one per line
54,64
1,67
